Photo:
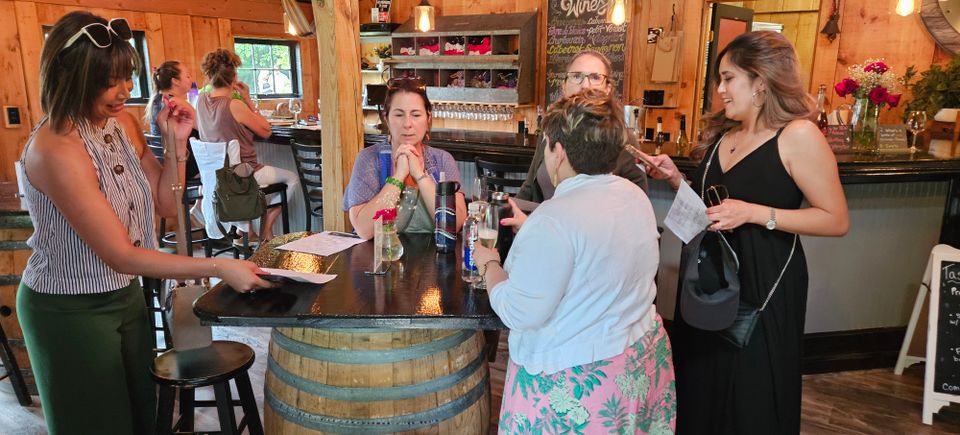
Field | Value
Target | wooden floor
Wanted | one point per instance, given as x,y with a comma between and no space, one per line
858,402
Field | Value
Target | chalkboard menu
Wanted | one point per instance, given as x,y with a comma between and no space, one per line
947,373
577,25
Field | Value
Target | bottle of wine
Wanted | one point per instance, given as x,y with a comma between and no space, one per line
683,144
821,109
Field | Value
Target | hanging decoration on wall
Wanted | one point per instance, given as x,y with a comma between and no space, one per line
832,28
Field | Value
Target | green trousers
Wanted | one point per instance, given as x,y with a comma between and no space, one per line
91,357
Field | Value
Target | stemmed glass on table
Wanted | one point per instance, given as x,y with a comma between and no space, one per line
296,106
487,232
917,122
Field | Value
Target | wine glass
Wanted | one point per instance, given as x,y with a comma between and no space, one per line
296,106
917,122
487,231
480,191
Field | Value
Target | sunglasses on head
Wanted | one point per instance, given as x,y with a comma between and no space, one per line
101,35
399,82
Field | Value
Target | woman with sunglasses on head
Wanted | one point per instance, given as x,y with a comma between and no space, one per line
416,167
768,156
91,192
587,70
222,118
588,351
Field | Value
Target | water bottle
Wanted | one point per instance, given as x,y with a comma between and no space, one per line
386,165
391,248
445,216
471,231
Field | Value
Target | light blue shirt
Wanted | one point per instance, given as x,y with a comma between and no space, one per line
581,275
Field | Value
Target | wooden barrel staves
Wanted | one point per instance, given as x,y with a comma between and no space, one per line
14,231
371,381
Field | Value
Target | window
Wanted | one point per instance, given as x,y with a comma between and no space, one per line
270,67
141,83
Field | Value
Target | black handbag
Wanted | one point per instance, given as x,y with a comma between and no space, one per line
739,332
237,197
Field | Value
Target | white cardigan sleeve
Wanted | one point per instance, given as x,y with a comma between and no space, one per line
539,270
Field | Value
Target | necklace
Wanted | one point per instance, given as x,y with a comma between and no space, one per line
733,146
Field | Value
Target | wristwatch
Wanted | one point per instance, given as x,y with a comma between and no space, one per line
772,222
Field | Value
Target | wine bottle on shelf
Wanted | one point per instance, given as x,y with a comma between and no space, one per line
683,144
821,109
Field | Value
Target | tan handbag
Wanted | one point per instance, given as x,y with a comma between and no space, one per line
186,332
666,59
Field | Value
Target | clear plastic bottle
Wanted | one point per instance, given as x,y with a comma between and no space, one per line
471,231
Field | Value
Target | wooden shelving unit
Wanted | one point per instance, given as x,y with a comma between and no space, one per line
502,69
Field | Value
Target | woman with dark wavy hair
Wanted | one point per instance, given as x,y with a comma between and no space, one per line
91,192
763,147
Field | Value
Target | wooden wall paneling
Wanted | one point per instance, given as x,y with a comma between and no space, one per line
342,135
873,30
154,39
13,92
31,45
178,42
232,9
225,32
825,62
205,37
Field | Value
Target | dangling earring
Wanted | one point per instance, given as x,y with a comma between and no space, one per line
753,99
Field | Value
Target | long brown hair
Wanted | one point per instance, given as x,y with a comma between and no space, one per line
220,67
72,78
770,57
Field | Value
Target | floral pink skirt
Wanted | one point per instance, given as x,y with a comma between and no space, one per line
629,393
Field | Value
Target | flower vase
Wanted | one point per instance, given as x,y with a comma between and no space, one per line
865,121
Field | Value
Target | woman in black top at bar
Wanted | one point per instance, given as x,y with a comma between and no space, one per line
763,147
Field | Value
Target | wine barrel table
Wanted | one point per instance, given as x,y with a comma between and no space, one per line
15,228
402,352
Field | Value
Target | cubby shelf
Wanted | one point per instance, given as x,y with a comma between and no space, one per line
504,74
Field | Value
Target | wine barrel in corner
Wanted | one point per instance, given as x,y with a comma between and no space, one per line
358,381
14,231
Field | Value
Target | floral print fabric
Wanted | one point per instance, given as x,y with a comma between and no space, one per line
627,394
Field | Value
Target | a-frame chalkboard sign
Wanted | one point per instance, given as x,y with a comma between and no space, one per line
941,384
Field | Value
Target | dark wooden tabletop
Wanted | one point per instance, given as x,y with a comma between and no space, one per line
422,290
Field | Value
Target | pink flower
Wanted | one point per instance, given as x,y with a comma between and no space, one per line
877,67
878,95
846,87
893,100
388,214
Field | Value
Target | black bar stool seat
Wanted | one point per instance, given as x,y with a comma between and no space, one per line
215,366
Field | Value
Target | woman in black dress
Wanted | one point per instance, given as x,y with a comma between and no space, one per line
763,147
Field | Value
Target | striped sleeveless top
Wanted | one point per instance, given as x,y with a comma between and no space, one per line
61,262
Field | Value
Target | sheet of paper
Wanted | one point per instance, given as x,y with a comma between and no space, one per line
325,243
316,278
688,215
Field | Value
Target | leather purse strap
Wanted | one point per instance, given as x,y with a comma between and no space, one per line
793,248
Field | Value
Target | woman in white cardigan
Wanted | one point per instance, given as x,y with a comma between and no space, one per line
587,348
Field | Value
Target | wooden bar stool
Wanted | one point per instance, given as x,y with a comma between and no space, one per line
215,365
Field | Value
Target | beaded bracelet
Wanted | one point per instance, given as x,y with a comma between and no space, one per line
485,265
395,182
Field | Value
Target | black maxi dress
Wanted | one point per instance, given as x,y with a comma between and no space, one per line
754,390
